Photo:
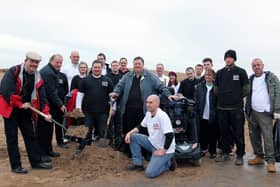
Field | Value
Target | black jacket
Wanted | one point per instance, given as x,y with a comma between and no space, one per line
200,96
231,85
51,81
63,85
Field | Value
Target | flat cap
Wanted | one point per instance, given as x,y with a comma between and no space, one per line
33,56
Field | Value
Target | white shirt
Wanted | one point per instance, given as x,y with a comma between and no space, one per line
260,97
206,111
164,79
176,88
158,126
70,71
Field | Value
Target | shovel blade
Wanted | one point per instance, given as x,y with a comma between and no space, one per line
103,142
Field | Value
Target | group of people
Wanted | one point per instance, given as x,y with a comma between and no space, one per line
139,125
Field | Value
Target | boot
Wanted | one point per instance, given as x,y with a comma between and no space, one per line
271,168
256,161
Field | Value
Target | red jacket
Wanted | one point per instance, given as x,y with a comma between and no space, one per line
10,90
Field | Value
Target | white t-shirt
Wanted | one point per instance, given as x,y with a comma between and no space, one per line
206,111
260,96
164,79
70,71
158,126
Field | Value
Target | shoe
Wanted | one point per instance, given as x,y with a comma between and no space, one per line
20,170
239,161
42,165
256,161
223,158
53,154
173,165
212,156
133,167
271,168
46,158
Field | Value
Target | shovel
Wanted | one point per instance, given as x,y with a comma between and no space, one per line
104,142
45,116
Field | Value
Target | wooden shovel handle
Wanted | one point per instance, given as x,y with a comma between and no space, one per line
38,111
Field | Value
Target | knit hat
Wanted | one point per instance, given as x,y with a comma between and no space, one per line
172,73
230,53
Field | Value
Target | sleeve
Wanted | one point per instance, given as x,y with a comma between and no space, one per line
144,121
181,87
8,84
245,83
66,86
43,100
277,94
82,86
216,83
111,85
168,140
79,100
51,90
119,88
166,124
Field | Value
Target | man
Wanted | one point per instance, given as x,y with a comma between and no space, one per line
72,69
57,108
133,89
207,63
123,64
188,85
262,103
160,142
93,100
198,72
160,74
231,86
116,132
105,67
21,87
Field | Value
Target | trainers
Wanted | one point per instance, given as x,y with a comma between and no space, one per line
133,167
173,165
271,168
239,161
223,158
256,161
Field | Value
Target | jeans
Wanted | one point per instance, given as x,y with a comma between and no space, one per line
157,164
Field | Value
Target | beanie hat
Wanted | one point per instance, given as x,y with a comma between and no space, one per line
230,53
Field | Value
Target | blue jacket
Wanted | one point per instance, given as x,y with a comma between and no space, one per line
149,84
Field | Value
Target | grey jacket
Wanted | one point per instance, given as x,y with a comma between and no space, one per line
273,87
149,84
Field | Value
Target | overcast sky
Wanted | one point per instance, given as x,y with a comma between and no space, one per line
178,33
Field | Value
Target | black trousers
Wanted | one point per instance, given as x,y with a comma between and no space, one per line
231,125
45,134
208,136
96,121
21,119
59,132
115,130
131,118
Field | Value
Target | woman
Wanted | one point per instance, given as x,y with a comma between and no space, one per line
206,110
83,70
173,82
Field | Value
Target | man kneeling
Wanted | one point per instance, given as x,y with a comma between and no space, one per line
160,142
